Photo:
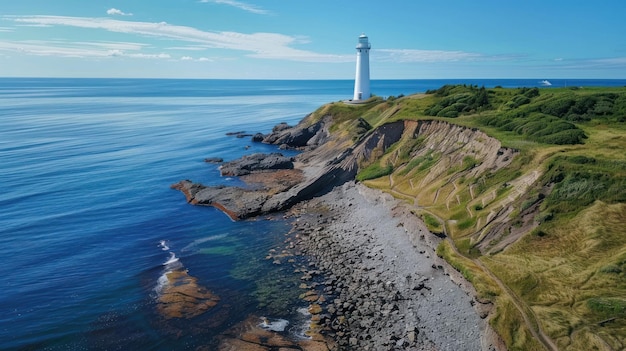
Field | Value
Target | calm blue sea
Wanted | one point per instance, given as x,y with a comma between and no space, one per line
88,220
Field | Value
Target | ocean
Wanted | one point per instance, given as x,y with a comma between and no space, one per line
89,225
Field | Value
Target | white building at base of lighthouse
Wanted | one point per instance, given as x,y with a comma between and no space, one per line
362,79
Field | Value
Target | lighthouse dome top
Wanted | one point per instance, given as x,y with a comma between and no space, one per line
363,42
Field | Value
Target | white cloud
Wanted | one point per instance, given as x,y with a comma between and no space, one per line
188,48
614,61
79,50
40,48
150,56
240,5
112,45
408,55
259,45
116,53
201,59
114,11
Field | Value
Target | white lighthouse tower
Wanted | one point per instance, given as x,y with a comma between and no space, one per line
362,79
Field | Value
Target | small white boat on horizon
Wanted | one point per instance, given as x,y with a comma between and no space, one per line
546,83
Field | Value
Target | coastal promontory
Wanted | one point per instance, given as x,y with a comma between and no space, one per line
521,194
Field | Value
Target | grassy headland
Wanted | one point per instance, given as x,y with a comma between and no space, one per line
541,234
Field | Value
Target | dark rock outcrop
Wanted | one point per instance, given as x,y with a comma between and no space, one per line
258,137
213,160
236,202
300,136
256,162
324,165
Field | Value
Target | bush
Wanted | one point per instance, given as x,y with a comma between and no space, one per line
607,306
579,181
566,137
517,101
458,99
557,107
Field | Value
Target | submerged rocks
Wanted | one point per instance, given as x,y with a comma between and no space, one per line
182,297
213,160
258,334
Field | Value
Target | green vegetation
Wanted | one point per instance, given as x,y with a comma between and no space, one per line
581,180
457,100
433,224
375,170
548,223
610,307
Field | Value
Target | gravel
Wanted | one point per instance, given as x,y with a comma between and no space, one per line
386,287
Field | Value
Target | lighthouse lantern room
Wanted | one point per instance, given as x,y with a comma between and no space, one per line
362,79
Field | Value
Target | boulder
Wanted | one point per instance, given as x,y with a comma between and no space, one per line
258,137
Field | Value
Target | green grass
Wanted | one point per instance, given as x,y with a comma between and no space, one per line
373,171
432,223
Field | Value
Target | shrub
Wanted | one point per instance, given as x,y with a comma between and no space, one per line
558,106
517,101
607,306
611,269
566,137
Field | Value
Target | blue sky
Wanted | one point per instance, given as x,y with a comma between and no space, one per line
291,39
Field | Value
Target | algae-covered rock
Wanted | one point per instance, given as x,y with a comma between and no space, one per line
183,297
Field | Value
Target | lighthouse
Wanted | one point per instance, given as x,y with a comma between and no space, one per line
362,79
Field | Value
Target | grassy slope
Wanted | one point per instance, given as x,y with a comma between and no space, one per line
569,267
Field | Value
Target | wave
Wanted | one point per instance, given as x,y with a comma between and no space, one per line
172,264
162,282
304,325
277,325
172,260
163,245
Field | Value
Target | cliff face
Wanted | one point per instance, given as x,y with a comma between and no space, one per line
454,173
433,161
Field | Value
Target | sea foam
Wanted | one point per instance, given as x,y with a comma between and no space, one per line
277,325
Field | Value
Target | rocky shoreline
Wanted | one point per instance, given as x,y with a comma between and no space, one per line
374,281
385,287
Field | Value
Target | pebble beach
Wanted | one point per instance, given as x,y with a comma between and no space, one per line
385,287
